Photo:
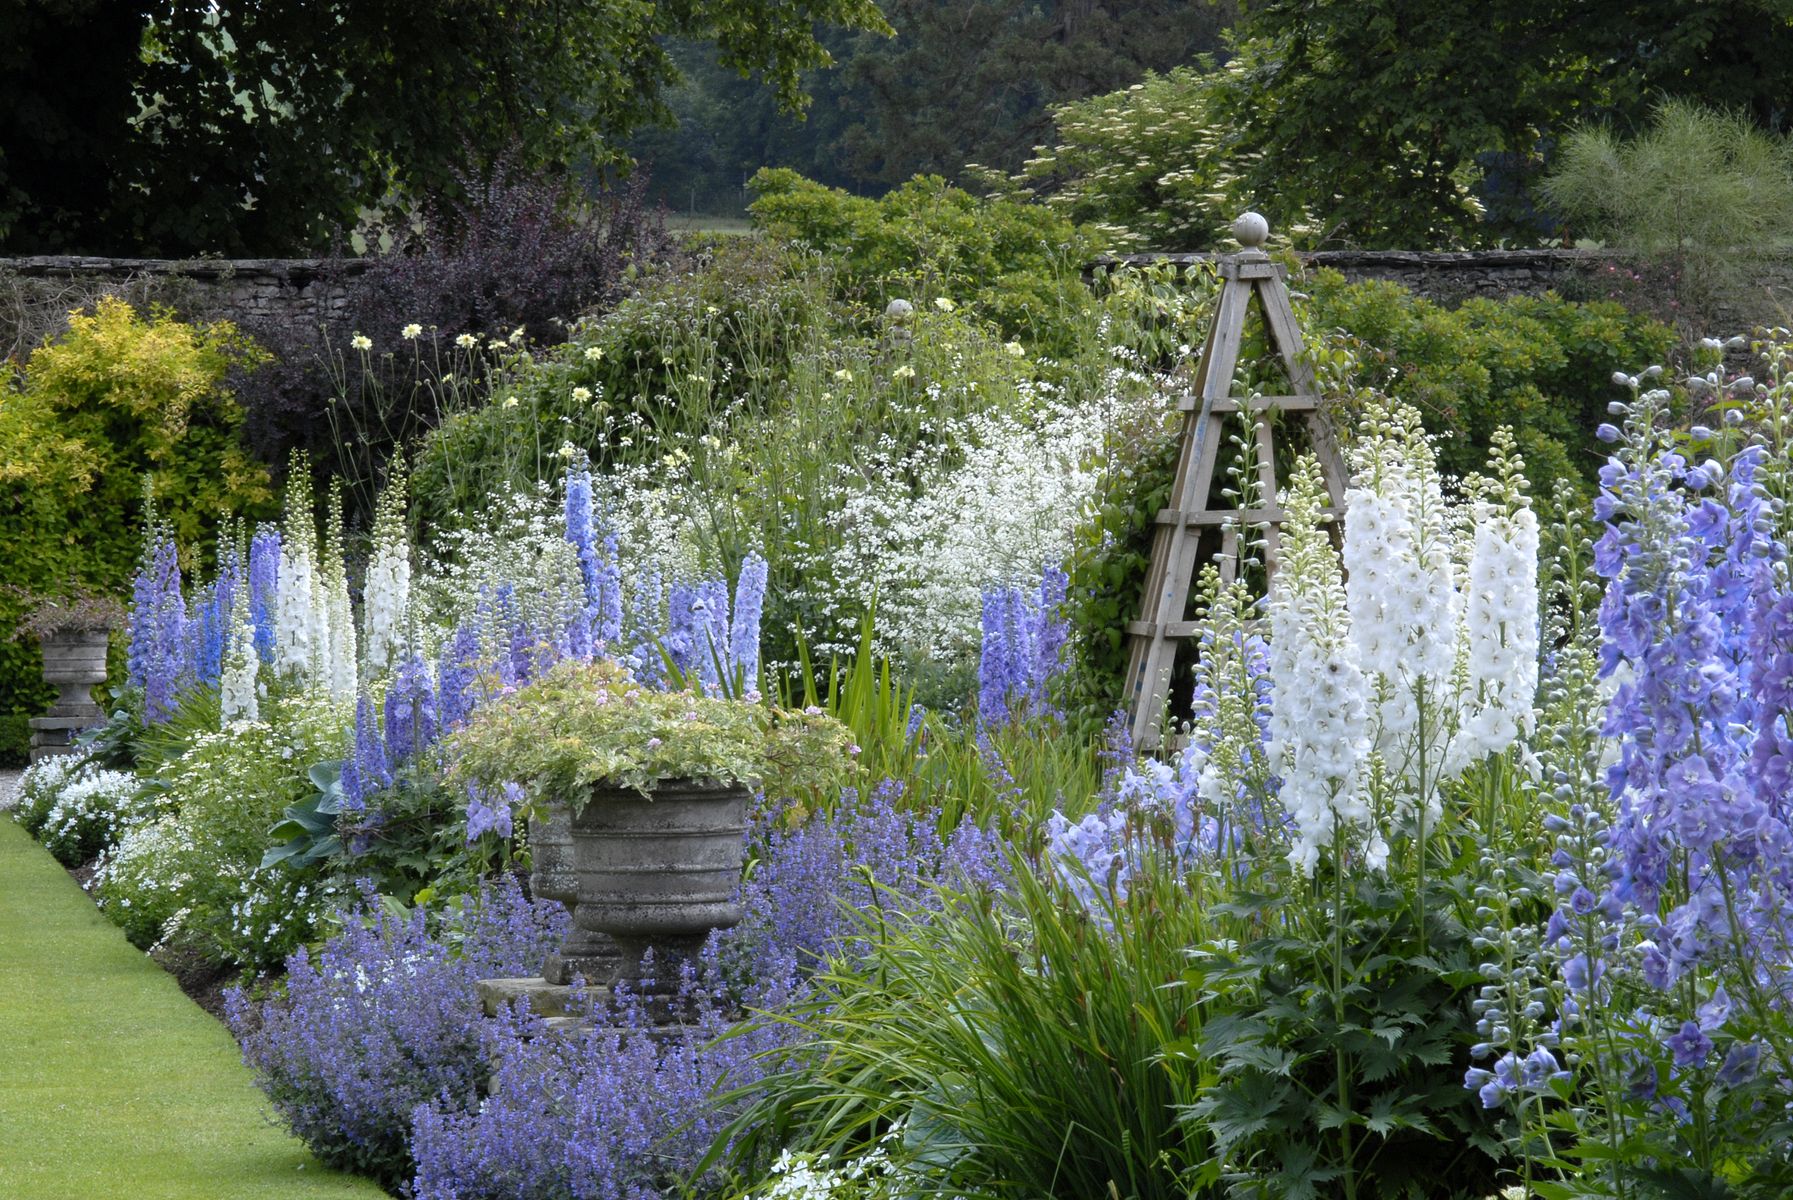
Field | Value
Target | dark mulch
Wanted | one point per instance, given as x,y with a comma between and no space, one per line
205,982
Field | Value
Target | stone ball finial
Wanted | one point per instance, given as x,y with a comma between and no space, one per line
898,311
1252,230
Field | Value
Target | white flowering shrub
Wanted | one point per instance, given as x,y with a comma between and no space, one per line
196,871
78,809
92,811
39,786
519,543
991,503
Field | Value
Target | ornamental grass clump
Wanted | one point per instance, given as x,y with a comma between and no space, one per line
591,724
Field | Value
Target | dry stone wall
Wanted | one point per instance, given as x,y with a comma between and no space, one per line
37,293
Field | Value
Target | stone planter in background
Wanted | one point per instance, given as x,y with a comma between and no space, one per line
658,872
554,875
74,662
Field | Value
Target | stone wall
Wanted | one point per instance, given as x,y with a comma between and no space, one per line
1445,277
35,293
1761,295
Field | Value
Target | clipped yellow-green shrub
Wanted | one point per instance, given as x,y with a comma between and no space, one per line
1017,265
122,395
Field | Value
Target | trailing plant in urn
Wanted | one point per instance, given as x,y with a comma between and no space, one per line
658,784
591,723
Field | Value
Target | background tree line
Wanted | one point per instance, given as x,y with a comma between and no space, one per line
273,127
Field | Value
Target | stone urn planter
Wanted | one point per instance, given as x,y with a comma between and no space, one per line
658,872
74,661
554,875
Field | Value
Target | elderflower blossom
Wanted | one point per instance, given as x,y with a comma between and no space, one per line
1318,726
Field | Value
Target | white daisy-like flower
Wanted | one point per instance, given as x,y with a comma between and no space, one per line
361,342
411,332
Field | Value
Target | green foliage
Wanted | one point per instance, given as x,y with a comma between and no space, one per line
1009,779
1014,264
1013,1042
1694,191
1539,365
119,397
1348,1049
1110,555
306,833
966,81
589,723
198,871
1413,126
263,128
1147,167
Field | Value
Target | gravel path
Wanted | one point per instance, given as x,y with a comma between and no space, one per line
9,779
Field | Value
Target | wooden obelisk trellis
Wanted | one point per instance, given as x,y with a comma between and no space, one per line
1163,620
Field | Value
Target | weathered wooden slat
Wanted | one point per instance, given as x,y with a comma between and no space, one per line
1207,517
1227,405
1174,629
1176,542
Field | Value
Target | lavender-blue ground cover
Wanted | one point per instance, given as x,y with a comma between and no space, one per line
377,1055
385,1018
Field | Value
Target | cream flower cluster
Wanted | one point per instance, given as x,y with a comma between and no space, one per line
238,698
386,592
1402,592
300,634
1499,675
337,665
1319,723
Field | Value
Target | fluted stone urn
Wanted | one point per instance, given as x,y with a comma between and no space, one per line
658,872
74,661
554,875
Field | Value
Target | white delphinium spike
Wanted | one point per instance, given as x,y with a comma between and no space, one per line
1500,612
1402,595
238,685
1318,734
338,665
297,622
386,595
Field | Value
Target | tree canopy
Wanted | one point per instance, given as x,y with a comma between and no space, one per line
263,126
1404,122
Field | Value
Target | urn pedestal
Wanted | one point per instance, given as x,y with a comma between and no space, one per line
74,661
585,953
657,872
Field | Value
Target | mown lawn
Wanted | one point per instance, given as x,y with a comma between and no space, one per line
113,1083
